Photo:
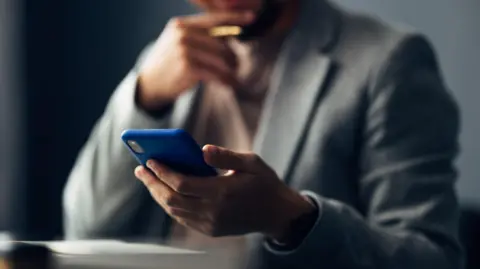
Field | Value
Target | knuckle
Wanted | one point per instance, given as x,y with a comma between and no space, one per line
181,186
183,38
168,210
175,22
174,212
170,199
149,182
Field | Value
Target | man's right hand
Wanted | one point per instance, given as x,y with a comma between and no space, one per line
186,54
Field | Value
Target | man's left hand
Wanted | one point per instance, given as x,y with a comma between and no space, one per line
248,198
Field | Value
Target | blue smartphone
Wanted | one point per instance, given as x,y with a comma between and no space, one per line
174,148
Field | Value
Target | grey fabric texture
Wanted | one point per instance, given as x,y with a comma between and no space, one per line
357,116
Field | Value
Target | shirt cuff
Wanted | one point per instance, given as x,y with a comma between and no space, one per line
279,248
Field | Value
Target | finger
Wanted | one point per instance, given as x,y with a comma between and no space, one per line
172,179
187,216
206,74
146,177
185,185
209,67
212,46
206,21
168,198
223,158
158,190
213,62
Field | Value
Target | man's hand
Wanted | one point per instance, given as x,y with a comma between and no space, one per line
185,54
248,198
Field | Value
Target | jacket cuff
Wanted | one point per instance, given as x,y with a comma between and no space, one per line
127,113
319,241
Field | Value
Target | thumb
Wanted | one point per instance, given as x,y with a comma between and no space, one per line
225,159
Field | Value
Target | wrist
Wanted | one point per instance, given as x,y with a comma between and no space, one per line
297,216
148,101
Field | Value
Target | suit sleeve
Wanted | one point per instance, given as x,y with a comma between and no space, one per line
406,186
102,198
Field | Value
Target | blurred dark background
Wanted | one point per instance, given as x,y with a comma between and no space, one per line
60,60
70,57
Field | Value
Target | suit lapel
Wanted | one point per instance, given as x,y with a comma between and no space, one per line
296,87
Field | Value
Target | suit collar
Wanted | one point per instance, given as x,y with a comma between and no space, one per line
318,24
300,76
298,82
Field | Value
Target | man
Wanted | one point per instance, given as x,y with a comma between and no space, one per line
353,131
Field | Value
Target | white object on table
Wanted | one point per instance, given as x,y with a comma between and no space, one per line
123,255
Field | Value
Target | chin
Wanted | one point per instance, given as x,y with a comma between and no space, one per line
229,5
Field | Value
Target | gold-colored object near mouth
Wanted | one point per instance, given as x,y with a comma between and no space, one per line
4,264
225,31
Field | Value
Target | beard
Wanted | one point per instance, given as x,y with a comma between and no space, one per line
209,5
266,18
267,15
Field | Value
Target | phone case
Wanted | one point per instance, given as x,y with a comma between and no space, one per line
172,147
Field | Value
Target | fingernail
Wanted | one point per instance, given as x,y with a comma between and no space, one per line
211,149
150,164
138,171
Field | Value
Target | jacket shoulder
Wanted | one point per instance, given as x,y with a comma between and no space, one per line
371,39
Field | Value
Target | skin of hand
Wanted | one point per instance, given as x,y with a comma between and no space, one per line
248,198
185,54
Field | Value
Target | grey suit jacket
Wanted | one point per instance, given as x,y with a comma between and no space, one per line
357,115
